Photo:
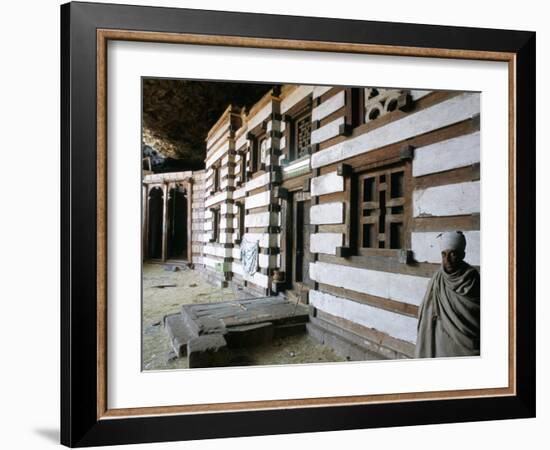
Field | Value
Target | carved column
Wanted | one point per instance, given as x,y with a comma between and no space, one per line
164,221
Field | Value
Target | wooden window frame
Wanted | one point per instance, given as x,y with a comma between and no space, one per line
293,153
355,107
299,110
358,206
215,224
255,163
217,177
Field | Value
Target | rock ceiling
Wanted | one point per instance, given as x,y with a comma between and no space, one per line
177,114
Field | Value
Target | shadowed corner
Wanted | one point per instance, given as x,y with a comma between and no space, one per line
50,434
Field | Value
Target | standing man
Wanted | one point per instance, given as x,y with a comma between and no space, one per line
448,318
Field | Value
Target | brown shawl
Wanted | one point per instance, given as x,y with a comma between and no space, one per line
448,318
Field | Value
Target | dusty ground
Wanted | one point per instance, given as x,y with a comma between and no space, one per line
187,286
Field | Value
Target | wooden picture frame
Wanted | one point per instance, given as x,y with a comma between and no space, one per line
86,418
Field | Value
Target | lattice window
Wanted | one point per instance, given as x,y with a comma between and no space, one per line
381,209
302,135
379,102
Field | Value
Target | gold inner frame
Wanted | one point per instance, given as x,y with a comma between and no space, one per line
103,36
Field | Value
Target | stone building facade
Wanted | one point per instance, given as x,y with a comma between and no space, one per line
345,191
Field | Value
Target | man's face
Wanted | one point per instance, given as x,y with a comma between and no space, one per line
451,259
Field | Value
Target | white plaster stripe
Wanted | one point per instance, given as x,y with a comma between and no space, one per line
325,242
216,198
440,115
265,240
327,213
417,94
237,268
241,140
257,182
238,193
327,131
327,184
257,200
447,200
260,116
264,219
396,325
258,278
425,247
217,251
268,261
403,288
320,90
223,129
218,154
334,103
457,152
295,96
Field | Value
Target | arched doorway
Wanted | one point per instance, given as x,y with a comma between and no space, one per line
156,199
177,223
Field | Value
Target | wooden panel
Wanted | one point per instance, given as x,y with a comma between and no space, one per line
466,222
460,175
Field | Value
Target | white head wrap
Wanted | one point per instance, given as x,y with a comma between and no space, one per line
452,240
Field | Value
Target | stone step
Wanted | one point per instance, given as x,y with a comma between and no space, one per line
179,332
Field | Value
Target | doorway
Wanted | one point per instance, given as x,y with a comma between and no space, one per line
156,200
296,235
177,223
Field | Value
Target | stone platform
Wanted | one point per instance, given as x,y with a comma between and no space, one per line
206,333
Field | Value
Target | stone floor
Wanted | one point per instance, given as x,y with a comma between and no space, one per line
165,291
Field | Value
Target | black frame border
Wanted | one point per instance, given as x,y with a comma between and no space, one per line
79,424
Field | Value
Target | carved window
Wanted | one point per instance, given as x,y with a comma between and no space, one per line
300,135
215,225
242,163
258,153
380,102
217,178
381,209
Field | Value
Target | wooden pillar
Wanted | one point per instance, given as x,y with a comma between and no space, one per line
145,223
189,221
164,221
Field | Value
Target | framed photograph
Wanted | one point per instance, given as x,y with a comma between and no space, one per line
278,224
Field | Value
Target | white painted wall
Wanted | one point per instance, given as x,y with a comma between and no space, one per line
334,103
447,200
440,115
327,213
325,242
395,286
425,247
257,200
446,155
295,96
327,131
396,325
327,184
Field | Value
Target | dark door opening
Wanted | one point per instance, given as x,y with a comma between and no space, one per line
177,223
296,241
154,226
302,233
